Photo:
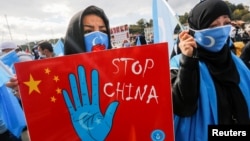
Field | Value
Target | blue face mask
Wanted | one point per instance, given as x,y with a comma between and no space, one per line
95,41
212,39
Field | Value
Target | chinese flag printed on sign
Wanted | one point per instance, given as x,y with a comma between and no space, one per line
113,95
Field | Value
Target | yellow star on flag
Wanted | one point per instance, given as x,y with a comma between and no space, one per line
47,70
33,85
56,78
53,99
58,90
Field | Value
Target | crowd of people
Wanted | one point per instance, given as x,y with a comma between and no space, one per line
210,83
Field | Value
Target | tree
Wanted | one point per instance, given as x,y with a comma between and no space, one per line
183,18
246,17
140,25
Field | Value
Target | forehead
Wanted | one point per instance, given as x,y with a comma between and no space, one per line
222,18
92,20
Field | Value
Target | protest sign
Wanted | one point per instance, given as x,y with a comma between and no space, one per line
113,95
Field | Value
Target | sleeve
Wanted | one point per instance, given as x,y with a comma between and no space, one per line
185,85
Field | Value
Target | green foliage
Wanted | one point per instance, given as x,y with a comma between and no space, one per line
246,17
183,18
139,26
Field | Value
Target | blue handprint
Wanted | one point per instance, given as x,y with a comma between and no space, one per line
89,123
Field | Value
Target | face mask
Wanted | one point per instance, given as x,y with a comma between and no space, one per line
96,41
212,39
41,55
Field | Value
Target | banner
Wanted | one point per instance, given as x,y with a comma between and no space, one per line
113,95
119,34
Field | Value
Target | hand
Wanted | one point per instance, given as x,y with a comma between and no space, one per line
88,121
13,84
187,43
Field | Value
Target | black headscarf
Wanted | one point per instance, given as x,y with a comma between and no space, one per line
74,39
205,12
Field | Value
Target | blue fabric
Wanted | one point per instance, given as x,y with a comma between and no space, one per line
59,48
2,124
10,59
11,111
195,127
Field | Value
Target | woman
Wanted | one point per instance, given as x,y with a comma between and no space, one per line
210,85
84,27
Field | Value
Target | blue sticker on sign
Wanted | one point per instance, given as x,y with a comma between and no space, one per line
158,135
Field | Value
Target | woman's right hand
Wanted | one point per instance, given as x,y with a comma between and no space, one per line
187,43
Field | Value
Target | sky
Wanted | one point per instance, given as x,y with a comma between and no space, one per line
23,21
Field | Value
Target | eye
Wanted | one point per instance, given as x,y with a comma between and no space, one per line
87,31
104,31
213,26
227,23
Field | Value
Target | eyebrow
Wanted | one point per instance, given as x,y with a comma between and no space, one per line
91,26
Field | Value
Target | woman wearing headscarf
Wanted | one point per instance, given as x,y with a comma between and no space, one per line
210,84
88,31
87,28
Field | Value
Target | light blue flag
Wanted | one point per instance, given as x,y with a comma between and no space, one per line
164,22
11,111
5,73
10,59
10,108
59,48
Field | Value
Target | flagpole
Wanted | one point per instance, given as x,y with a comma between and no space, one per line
8,26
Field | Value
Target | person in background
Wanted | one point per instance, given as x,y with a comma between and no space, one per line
245,34
8,46
35,53
140,40
210,84
235,32
245,54
126,43
45,50
93,24
240,35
